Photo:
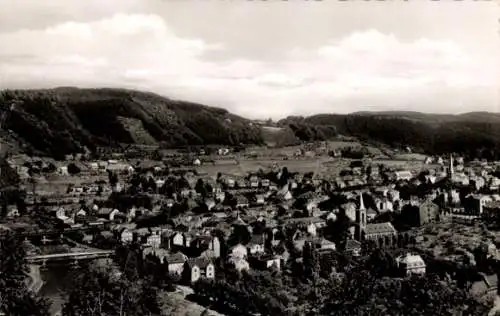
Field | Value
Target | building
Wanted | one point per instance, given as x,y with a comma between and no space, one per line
427,212
108,213
405,175
176,263
353,247
491,210
266,262
239,252
360,217
126,236
256,244
203,243
154,240
196,268
475,204
241,201
410,264
178,239
382,233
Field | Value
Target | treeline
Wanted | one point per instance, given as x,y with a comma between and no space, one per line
356,292
66,120
470,135
308,131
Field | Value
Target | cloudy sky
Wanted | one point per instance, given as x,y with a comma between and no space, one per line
263,58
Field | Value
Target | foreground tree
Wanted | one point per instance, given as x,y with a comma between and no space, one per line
15,298
99,291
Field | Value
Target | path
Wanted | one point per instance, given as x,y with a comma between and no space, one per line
496,307
178,305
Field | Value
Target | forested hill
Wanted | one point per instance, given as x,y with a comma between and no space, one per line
63,120
475,134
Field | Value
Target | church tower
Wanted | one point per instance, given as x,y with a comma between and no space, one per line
450,168
360,218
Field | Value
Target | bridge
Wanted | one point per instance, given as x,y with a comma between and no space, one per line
49,232
75,256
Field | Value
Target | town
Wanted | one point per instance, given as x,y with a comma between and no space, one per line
312,211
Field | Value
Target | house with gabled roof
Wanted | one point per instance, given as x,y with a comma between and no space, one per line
176,262
196,268
410,264
241,201
256,244
353,247
265,262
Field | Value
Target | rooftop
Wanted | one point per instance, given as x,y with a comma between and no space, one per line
379,228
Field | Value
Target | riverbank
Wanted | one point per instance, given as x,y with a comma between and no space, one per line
35,282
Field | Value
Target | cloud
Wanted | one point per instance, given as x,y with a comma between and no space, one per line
363,70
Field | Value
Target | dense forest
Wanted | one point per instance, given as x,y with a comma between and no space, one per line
65,120
472,134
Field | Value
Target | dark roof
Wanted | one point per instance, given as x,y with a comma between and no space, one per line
239,221
176,258
257,239
201,262
379,228
352,244
305,220
105,211
241,199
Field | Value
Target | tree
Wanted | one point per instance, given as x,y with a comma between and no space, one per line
200,188
100,291
15,297
338,230
112,178
73,169
309,259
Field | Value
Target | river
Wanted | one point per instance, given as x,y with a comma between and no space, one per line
55,283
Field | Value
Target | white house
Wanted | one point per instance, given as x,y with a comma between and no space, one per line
108,213
126,236
403,175
63,171
199,267
178,240
411,264
154,240
176,263
215,246
239,251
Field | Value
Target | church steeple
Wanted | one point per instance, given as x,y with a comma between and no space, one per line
450,170
361,202
360,218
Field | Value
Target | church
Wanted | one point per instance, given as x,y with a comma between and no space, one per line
382,233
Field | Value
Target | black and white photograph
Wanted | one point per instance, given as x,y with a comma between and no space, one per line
249,157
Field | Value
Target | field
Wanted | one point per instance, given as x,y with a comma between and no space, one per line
418,157
416,165
55,184
252,165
